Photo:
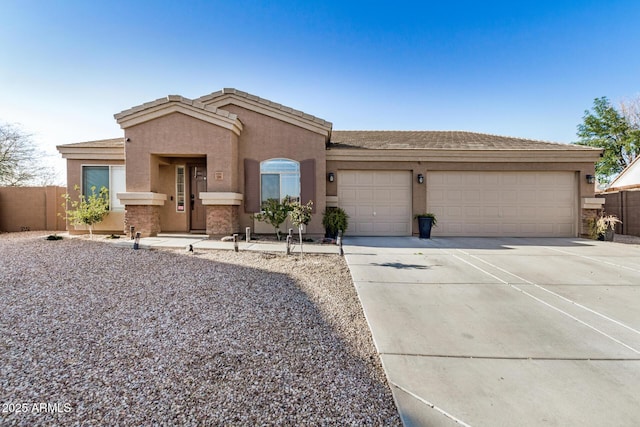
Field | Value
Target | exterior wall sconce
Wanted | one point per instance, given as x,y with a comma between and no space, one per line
331,177
591,179
420,178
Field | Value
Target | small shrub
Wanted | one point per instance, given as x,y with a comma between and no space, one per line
274,213
87,210
599,226
334,220
300,216
434,220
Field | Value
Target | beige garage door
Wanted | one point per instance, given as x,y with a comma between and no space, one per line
378,202
517,204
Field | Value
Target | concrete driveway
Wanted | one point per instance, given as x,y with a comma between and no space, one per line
504,332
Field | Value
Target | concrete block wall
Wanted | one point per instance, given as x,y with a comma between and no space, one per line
32,208
626,206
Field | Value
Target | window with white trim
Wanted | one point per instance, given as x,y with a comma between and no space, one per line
279,178
112,177
180,189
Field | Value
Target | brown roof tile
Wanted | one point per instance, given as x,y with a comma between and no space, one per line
446,140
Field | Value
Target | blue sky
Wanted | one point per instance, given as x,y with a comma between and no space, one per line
517,68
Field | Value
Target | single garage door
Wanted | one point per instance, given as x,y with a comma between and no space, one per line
516,204
378,202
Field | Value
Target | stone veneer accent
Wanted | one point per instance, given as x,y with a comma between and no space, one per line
222,220
145,219
587,215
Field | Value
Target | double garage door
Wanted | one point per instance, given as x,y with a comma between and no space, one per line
517,204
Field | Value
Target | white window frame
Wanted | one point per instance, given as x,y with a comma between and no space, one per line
184,189
299,173
114,202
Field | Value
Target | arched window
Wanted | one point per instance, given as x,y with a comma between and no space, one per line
279,178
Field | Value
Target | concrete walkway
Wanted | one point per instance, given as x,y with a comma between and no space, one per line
504,332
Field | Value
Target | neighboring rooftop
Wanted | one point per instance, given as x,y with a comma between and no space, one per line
102,143
446,140
105,149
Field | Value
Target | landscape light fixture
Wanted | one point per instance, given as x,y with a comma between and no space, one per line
331,177
591,179
420,178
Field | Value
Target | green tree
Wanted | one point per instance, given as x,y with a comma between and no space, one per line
87,210
275,213
300,216
612,130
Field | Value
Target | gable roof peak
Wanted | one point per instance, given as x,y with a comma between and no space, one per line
264,106
178,104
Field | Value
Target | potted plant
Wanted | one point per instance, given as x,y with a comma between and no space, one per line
334,220
605,227
426,221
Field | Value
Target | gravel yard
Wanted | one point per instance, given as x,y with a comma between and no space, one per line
103,335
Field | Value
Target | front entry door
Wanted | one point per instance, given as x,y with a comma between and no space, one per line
198,184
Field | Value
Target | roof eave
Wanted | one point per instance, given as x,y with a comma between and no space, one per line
462,155
91,153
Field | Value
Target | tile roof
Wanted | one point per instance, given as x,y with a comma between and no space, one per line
173,99
102,143
232,91
446,140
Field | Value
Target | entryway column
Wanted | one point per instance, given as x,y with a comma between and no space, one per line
591,209
222,212
142,211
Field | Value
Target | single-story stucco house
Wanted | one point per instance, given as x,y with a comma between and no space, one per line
205,165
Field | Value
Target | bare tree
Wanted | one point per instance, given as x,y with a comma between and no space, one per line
630,110
21,161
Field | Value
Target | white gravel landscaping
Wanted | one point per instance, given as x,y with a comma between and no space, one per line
93,334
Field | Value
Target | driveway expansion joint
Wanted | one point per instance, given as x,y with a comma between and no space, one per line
535,358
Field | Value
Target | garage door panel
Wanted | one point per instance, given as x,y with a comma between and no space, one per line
471,196
364,211
377,202
453,195
347,178
547,196
509,196
490,196
399,212
364,178
508,212
473,211
364,195
548,180
503,203
400,195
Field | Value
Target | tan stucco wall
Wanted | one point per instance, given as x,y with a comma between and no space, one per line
266,138
32,208
155,147
179,135
114,221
